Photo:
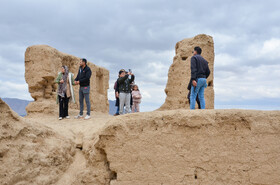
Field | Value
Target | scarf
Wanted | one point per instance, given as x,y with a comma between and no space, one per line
63,86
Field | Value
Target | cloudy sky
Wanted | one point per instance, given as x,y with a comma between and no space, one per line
141,35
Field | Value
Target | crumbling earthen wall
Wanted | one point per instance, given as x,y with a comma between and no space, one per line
42,64
179,73
31,153
180,147
192,147
162,147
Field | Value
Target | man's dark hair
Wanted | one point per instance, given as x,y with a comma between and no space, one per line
121,71
84,60
198,50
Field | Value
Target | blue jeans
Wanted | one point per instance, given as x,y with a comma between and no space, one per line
118,110
198,90
84,94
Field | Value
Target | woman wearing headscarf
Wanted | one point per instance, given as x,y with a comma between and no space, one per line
65,91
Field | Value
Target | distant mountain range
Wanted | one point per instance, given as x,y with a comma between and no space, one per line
112,107
19,105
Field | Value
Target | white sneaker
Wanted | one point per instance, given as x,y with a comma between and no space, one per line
60,118
67,117
79,116
87,117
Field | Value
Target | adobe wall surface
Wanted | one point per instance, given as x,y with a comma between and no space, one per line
31,153
179,73
42,64
193,147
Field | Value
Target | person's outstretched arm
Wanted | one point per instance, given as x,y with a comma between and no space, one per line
132,78
122,79
57,80
77,77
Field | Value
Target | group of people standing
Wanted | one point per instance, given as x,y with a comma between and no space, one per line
66,81
127,93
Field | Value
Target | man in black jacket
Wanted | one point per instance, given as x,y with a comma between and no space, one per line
83,79
116,87
199,73
125,90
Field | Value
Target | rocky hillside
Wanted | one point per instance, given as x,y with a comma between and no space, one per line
17,105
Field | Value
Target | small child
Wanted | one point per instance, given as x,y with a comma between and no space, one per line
136,96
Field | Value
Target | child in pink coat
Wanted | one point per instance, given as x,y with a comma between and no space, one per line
136,97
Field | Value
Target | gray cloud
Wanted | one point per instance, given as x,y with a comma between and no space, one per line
138,34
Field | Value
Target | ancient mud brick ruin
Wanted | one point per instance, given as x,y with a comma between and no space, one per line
182,147
179,73
42,64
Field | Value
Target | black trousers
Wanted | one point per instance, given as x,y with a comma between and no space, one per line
63,106
197,100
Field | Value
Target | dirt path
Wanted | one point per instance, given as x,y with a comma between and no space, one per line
69,128
77,130
78,165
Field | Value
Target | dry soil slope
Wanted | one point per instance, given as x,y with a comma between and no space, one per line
164,147
30,153
191,147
